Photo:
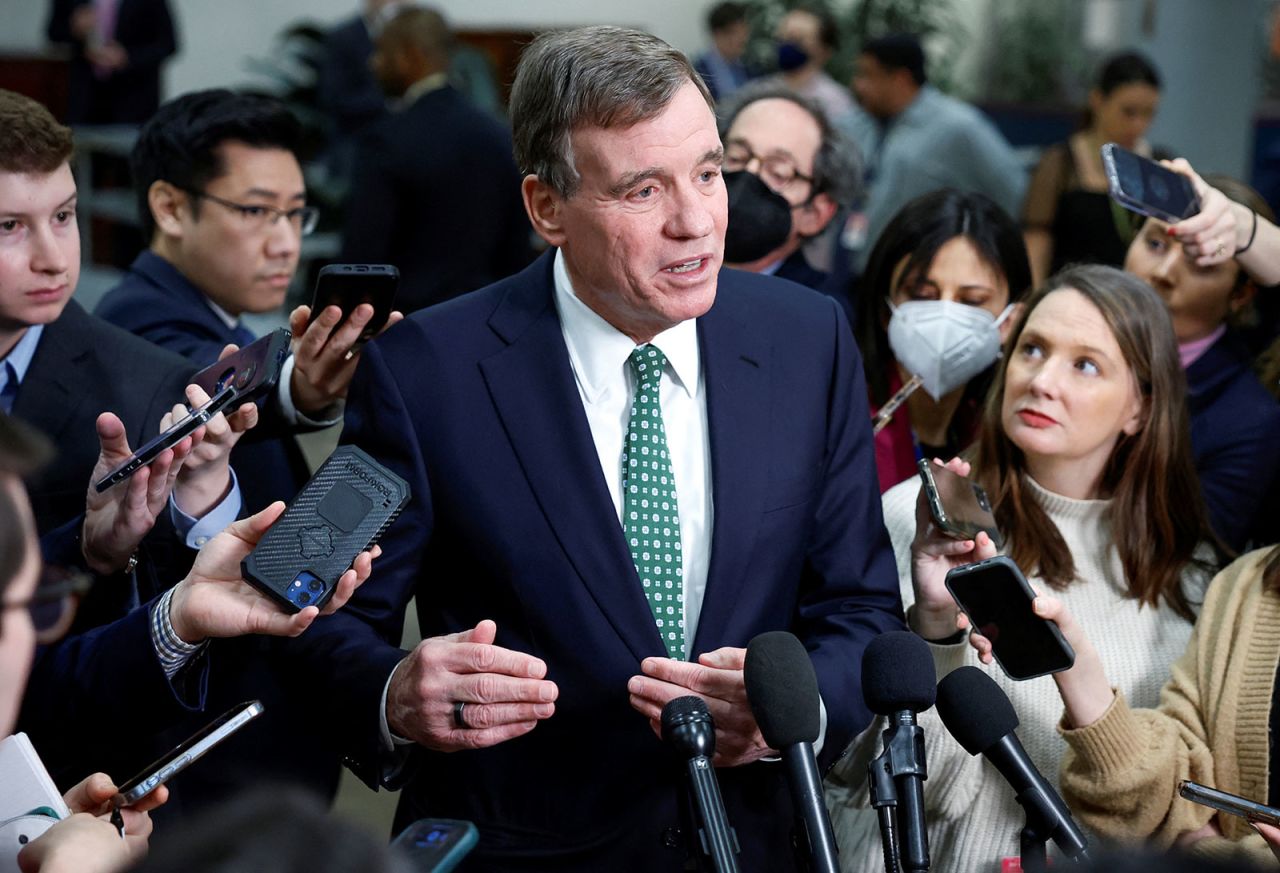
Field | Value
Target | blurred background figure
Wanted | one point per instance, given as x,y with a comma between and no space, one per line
346,90
722,66
806,40
1068,216
118,48
445,209
915,139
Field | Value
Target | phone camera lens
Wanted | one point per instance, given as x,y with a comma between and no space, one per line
316,585
304,597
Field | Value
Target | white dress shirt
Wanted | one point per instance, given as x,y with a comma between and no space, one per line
598,354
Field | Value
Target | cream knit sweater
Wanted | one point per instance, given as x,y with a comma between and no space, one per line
972,816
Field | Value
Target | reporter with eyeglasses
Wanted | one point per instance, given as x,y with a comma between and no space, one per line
121,677
223,205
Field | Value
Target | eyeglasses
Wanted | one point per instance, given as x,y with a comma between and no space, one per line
53,605
778,171
259,217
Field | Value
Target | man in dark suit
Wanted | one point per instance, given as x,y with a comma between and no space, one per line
222,200
435,190
564,601
806,170
117,49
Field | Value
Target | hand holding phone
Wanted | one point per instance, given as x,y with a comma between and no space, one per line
348,285
187,753
1146,187
167,440
997,600
959,505
253,371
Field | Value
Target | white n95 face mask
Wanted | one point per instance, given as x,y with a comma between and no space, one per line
943,342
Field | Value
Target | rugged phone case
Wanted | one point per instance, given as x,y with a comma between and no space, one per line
342,511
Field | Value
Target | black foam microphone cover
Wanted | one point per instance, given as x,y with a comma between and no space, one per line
975,709
782,689
898,674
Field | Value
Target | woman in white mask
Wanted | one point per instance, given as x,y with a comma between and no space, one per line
934,303
1085,454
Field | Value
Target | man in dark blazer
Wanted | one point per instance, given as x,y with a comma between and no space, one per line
553,639
117,49
222,201
435,190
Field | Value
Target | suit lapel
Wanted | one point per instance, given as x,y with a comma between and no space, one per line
48,397
736,359
532,386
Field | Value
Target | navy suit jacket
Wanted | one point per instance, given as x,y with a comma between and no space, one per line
445,208
156,302
1234,427
474,403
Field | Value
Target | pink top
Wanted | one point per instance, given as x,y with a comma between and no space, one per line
1190,352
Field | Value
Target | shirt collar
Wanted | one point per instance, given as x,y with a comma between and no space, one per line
225,317
1190,352
425,85
599,351
22,353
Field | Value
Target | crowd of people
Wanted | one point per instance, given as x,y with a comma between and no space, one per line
670,343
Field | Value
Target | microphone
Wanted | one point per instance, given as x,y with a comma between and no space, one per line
898,681
688,728
783,692
981,718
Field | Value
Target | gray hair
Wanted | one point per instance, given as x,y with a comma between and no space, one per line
837,167
591,76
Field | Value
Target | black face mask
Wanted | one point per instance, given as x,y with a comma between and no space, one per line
759,218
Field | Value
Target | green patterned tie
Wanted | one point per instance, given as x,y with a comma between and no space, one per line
650,514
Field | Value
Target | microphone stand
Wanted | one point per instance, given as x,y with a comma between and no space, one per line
903,761
1036,833
884,799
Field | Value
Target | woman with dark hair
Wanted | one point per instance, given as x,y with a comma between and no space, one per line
1085,454
1234,421
954,260
1068,217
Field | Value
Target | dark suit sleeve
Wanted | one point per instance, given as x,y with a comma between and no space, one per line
353,651
849,588
94,690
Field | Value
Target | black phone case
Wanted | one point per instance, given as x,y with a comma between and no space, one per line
342,511
253,371
1053,629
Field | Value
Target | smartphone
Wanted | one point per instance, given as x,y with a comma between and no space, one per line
348,285
167,440
436,845
253,371
1144,186
997,600
181,757
1229,803
959,505
338,514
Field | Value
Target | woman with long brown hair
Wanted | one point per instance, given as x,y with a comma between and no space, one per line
1085,454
